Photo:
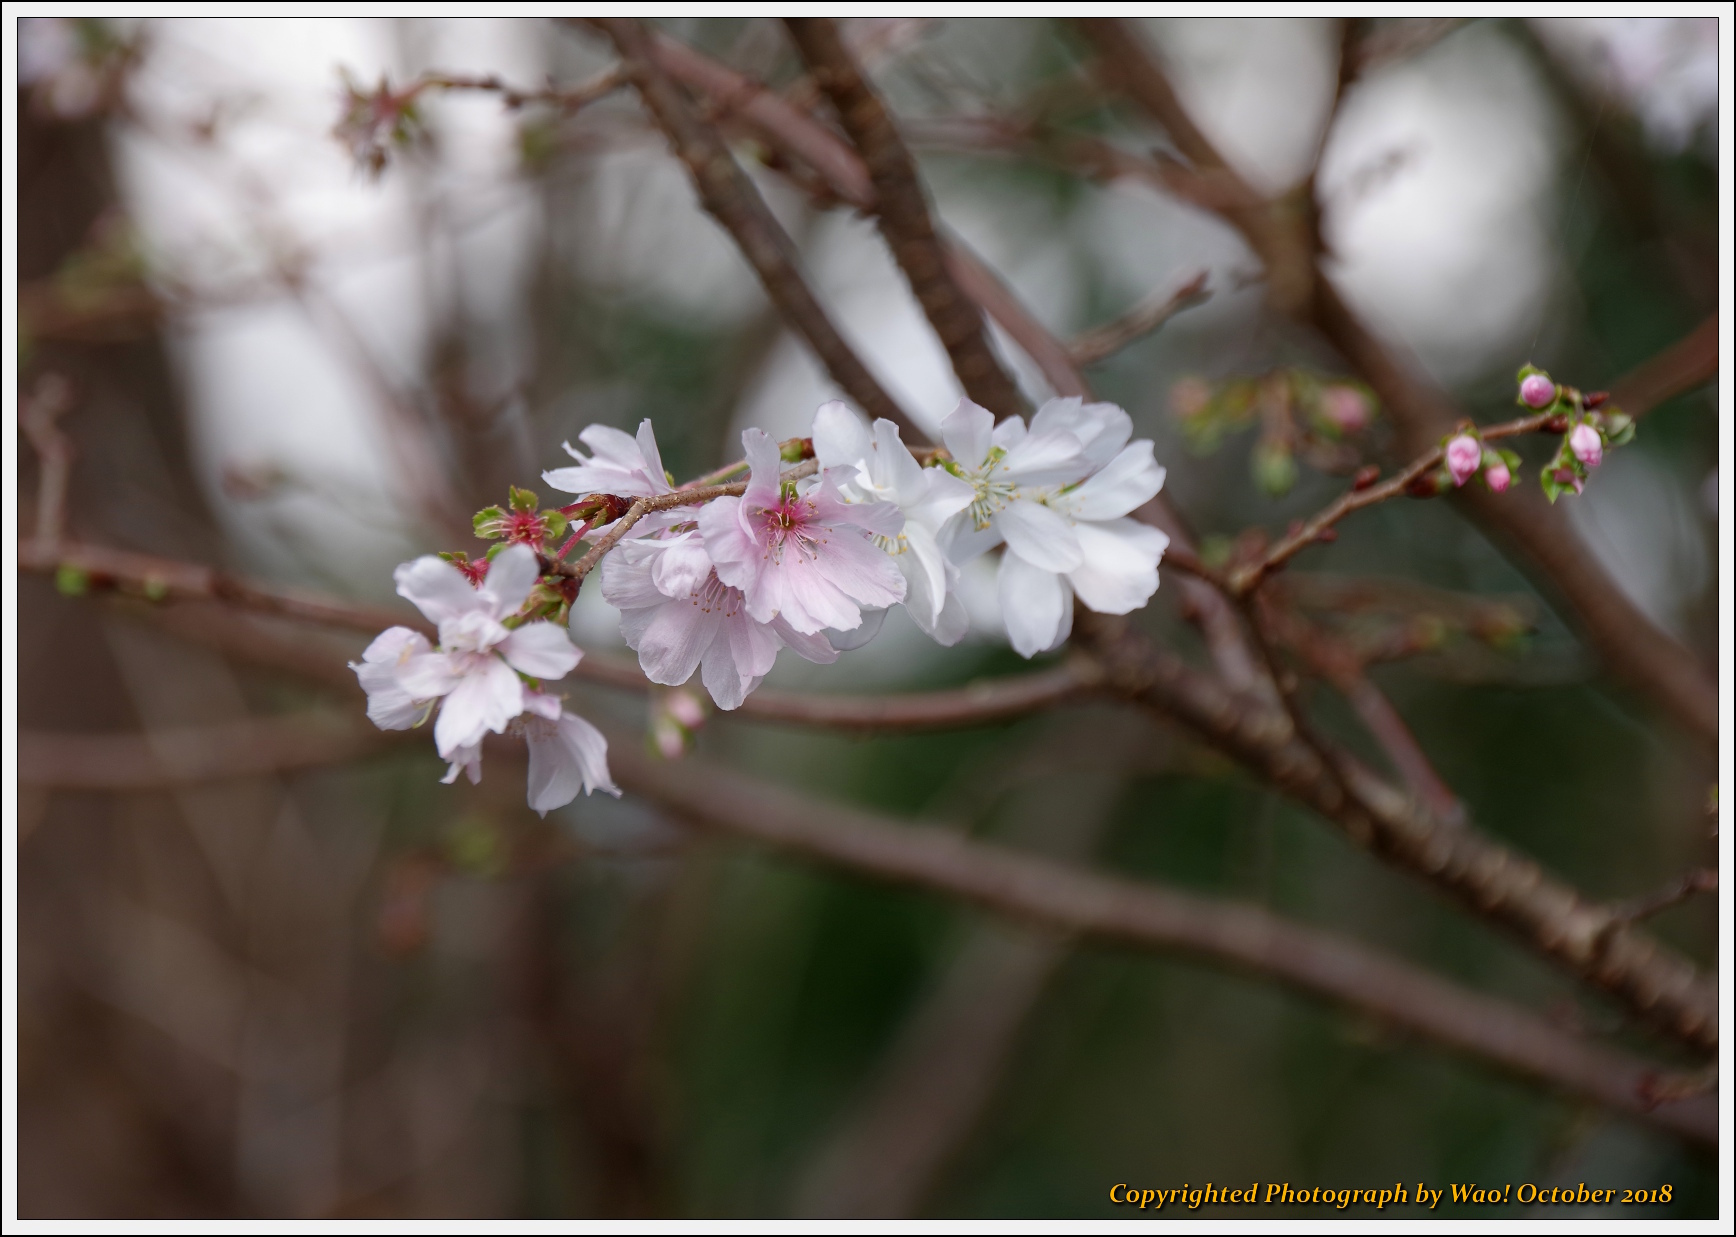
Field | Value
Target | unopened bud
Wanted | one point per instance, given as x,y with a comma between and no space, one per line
1464,457
1497,476
1587,445
1567,477
1595,399
1366,476
685,709
1429,484
1345,407
1537,391
795,450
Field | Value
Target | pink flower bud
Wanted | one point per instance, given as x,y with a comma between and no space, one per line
1497,477
1464,457
1566,476
1587,445
1537,391
1345,407
670,739
685,709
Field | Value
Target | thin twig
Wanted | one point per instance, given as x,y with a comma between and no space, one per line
732,198
1700,880
687,496
903,215
1141,320
1246,577
567,99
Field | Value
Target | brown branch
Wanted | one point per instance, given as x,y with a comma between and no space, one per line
168,759
1626,640
1319,963
1690,362
730,195
1493,881
1490,879
37,414
903,215
1141,320
982,703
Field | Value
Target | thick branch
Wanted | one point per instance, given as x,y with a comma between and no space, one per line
902,213
1493,881
733,200
1316,962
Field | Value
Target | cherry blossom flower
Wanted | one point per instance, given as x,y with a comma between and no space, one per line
475,671
567,754
1464,458
631,467
680,617
806,557
1058,496
879,467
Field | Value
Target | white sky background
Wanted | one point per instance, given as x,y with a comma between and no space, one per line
1465,213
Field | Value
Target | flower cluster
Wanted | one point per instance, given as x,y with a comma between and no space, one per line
809,558
1587,425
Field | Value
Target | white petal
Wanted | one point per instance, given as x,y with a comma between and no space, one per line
953,624
542,704
681,567
566,756
486,699
942,497
1046,459
396,644
1119,573
468,759
438,589
1039,536
652,458
926,573
845,641
511,575
812,645
964,542
723,677
615,446
1102,429
967,432
840,438
428,675
590,751
1008,434
1036,606
627,580
390,706
542,650
673,638
734,553
1127,482
764,468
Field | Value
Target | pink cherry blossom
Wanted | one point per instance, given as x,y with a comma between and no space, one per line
1497,477
1345,407
1464,457
680,617
807,557
475,671
1587,445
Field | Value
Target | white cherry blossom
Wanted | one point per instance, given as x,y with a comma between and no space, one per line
878,467
1057,495
629,466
